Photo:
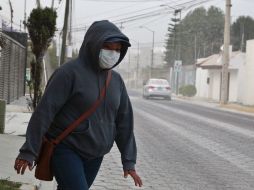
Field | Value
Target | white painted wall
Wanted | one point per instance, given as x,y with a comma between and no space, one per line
241,87
248,96
233,86
201,83
215,84
241,84
212,90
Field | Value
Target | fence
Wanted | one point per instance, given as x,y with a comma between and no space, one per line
186,76
12,69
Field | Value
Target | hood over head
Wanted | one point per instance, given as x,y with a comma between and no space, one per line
98,33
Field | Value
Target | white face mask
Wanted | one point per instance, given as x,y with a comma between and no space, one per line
108,58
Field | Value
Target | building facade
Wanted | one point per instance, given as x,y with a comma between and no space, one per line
241,76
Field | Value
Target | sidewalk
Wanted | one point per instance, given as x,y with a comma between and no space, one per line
9,146
16,120
231,107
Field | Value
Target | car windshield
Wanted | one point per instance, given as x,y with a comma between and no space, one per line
158,82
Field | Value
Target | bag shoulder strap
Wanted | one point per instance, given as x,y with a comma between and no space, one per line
86,114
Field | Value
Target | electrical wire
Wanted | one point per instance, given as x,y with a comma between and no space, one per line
128,13
109,11
151,12
154,12
137,11
123,1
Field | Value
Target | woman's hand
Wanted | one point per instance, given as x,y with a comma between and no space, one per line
134,175
21,165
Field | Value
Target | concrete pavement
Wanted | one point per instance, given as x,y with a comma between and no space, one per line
17,118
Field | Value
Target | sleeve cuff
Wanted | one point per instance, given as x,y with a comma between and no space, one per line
128,165
27,157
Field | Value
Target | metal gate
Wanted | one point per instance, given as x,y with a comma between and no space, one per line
12,69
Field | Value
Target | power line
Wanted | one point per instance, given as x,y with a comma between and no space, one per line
110,1
140,10
109,11
84,26
155,12
131,12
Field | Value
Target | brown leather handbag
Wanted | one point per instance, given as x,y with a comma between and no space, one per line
43,169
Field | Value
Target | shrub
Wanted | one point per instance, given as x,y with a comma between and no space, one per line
188,90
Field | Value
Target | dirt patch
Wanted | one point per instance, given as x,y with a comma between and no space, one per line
238,107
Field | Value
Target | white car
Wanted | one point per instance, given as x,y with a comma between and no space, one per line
157,88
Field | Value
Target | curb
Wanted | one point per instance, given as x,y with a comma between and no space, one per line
215,105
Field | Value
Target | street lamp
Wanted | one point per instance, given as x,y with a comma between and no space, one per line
152,54
137,71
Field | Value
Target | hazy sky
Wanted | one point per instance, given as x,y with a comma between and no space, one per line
85,12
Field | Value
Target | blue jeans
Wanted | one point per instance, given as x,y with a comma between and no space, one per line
71,171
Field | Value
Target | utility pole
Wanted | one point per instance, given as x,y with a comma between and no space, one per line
152,62
38,3
121,26
24,22
195,50
65,28
52,4
152,51
69,53
129,65
179,30
179,49
225,73
137,75
242,40
137,67
11,13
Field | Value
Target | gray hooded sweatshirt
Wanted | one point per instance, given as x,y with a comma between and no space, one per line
71,90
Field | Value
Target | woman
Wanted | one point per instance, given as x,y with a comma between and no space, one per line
72,89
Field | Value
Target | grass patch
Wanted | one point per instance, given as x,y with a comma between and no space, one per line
5,184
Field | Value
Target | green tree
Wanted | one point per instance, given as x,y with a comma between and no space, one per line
41,27
199,34
214,31
242,30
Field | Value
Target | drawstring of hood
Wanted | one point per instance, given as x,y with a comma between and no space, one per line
105,98
104,75
99,85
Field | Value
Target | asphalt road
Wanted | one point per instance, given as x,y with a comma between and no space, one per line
182,146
